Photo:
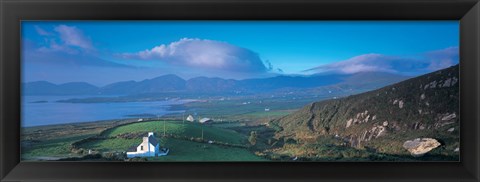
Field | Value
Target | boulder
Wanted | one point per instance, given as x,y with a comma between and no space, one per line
400,104
422,96
457,149
449,117
420,146
349,122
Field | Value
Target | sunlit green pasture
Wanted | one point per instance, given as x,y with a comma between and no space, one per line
180,129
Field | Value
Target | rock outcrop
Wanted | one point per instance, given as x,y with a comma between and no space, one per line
420,146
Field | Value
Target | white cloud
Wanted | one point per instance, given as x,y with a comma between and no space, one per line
72,36
53,46
204,54
64,46
63,38
362,63
443,58
428,62
42,32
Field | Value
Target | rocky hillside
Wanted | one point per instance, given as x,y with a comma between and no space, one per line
383,119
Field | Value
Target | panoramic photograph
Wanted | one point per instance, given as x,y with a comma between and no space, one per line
240,91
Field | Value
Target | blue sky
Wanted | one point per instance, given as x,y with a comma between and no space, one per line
102,52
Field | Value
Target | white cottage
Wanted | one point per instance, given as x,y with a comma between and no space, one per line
206,120
150,147
190,118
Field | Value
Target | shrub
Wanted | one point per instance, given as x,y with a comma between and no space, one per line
253,138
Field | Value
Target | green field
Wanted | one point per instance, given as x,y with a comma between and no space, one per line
184,150
52,148
181,150
247,108
111,145
179,129
178,140
270,114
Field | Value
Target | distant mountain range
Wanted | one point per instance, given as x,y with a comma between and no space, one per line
47,88
173,83
383,119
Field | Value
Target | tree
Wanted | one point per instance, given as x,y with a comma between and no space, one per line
253,138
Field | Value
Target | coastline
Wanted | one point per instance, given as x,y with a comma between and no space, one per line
32,115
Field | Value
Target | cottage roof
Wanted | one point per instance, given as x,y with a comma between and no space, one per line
132,149
204,120
190,118
152,140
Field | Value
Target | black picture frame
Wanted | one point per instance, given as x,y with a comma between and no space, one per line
13,11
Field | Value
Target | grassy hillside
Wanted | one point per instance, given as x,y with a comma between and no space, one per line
381,120
54,141
51,148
